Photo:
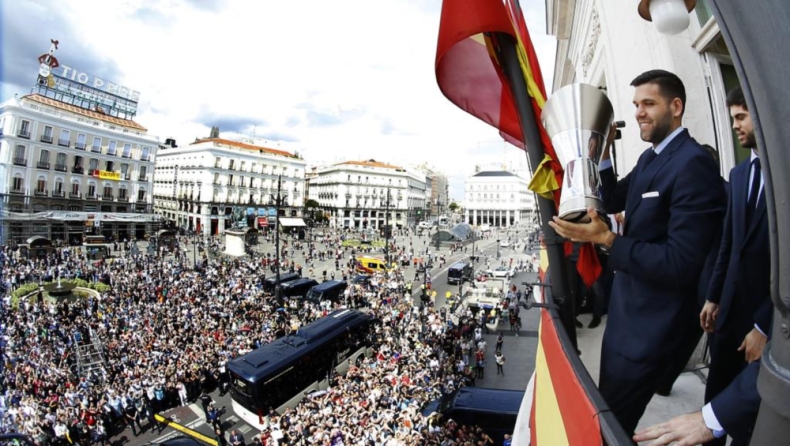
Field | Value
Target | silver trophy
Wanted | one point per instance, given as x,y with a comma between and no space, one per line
578,118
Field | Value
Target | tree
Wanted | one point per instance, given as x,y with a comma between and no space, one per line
453,206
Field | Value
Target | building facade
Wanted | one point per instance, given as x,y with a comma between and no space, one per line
56,156
498,198
603,43
354,194
206,185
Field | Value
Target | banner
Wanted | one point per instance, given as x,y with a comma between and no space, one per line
107,175
81,216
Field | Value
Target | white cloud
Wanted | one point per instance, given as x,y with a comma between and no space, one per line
347,79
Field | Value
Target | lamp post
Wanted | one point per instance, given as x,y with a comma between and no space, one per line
277,202
387,229
438,217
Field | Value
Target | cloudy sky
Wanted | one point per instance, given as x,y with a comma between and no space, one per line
335,80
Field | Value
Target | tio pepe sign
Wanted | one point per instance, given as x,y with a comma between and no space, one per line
99,83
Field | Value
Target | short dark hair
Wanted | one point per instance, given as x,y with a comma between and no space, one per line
735,97
669,84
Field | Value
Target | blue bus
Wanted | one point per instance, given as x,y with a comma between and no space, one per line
281,373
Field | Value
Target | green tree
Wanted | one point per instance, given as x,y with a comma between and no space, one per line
453,206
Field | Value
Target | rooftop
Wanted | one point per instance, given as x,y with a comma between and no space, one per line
241,145
370,163
85,112
494,173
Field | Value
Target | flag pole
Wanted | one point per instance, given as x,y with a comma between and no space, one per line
555,244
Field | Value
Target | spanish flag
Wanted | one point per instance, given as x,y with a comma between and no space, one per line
470,75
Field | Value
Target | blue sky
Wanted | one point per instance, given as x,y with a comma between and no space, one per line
341,80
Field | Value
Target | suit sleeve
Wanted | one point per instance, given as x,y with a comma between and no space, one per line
763,317
736,406
613,192
723,259
697,204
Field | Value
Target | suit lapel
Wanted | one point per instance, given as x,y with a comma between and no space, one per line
740,190
759,214
646,175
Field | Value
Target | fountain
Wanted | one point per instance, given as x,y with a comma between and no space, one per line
57,292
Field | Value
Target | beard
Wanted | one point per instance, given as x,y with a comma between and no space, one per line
751,141
661,129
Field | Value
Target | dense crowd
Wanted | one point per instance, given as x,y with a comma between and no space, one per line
168,330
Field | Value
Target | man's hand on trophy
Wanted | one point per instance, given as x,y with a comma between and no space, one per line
596,231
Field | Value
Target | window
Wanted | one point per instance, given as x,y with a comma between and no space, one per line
82,141
19,155
122,193
58,187
127,150
91,190
41,185
60,163
107,191
141,195
216,178
24,129
77,161
75,189
17,185
146,153
65,138
217,162
111,147
143,172
124,171
43,156
47,135
241,166
252,167
109,166
94,164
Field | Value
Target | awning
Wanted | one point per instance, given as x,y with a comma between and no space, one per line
292,222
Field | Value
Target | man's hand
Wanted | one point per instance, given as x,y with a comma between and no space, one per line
596,231
687,430
753,344
708,315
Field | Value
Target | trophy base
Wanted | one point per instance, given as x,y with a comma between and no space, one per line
575,209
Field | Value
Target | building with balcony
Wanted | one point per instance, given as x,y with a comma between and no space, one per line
358,194
498,198
57,156
199,185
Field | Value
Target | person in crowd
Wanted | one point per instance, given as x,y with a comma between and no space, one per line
671,199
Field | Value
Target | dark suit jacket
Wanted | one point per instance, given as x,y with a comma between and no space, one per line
736,406
740,283
666,239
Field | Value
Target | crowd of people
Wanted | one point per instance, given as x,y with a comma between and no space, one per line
166,331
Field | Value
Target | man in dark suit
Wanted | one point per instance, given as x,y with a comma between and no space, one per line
738,307
671,199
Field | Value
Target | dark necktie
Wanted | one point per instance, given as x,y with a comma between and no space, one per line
754,191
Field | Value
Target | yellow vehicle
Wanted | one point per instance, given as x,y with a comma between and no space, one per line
370,265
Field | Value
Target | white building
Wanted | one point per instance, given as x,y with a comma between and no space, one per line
199,185
56,156
353,194
498,198
607,44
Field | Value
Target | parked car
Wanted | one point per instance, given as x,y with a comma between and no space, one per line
504,244
501,271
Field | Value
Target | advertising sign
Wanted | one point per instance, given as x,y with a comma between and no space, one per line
107,175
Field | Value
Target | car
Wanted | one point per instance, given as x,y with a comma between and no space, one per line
501,271
504,244
360,279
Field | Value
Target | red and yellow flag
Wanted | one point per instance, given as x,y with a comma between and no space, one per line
470,75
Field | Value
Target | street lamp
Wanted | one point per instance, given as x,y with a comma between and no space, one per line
277,202
387,229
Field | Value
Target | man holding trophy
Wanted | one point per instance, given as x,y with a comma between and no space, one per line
671,198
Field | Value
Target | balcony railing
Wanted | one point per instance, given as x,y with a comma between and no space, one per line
46,138
20,161
23,133
127,176
94,149
75,194
127,155
40,193
146,158
77,169
141,199
43,165
58,194
18,190
66,143
92,196
141,177
231,167
109,197
60,167
122,198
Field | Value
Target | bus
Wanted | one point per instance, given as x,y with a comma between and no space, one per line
278,375
459,272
